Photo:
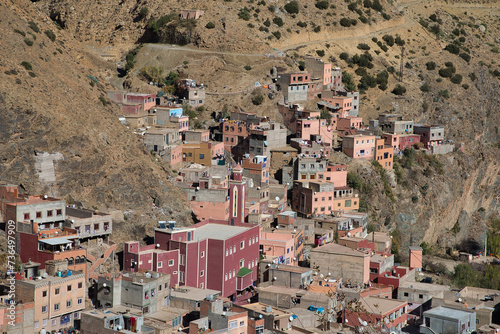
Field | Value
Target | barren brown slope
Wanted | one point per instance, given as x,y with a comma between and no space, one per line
54,108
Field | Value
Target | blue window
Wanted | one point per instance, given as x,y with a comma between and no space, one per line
202,156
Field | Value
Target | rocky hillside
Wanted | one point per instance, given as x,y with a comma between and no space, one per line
58,134
450,76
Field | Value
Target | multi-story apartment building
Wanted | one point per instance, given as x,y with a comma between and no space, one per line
266,136
89,223
294,86
58,296
206,255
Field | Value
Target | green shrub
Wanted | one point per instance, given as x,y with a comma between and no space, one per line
363,19
377,6
244,14
302,24
322,4
32,74
367,4
28,42
465,86
452,48
391,69
320,53
430,65
33,26
456,79
399,90
143,13
317,29
277,34
50,34
444,93
257,99
22,33
472,76
262,28
465,56
278,21
363,46
103,100
399,41
425,88
210,25
447,72
267,23
433,17
345,22
271,8
292,7
389,40
248,67
27,65
344,56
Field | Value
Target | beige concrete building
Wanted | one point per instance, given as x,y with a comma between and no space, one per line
58,296
343,262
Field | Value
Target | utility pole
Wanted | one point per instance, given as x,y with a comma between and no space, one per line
401,66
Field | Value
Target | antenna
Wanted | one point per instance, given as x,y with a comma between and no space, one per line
401,65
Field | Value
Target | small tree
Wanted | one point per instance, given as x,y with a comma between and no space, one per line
278,21
320,53
210,25
292,7
399,90
257,99
322,4
430,65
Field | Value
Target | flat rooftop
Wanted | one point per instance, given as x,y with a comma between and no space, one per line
424,286
34,199
381,306
333,248
292,269
55,279
218,232
261,308
191,293
446,312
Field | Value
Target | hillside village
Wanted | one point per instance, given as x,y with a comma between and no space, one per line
279,244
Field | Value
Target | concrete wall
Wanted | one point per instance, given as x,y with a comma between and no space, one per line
351,268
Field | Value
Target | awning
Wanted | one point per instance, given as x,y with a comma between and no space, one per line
56,241
243,272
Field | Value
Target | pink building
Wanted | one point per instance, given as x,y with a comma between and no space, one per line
237,193
359,146
147,100
206,255
313,198
306,128
173,155
347,123
401,141
341,104
337,174
132,108
337,78
257,168
284,246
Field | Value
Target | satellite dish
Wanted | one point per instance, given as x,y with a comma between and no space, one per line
104,285
291,318
277,198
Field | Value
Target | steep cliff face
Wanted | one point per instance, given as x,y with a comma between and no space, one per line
57,136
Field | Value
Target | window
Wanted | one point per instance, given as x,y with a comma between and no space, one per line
80,285
44,293
202,273
69,287
37,324
242,244
44,308
406,294
54,322
68,303
39,214
242,264
160,264
202,253
233,324
202,156
183,259
49,213
181,276
170,263
79,301
421,296
77,315
59,212
234,249
57,307
242,323
225,277
57,290
26,216
44,322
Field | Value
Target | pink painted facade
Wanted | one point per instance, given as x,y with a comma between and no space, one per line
347,123
383,153
313,198
173,155
207,255
342,104
285,246
401,141
210,209
237,193
147,100
359,146
132,109
305,128
257,168
336,174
